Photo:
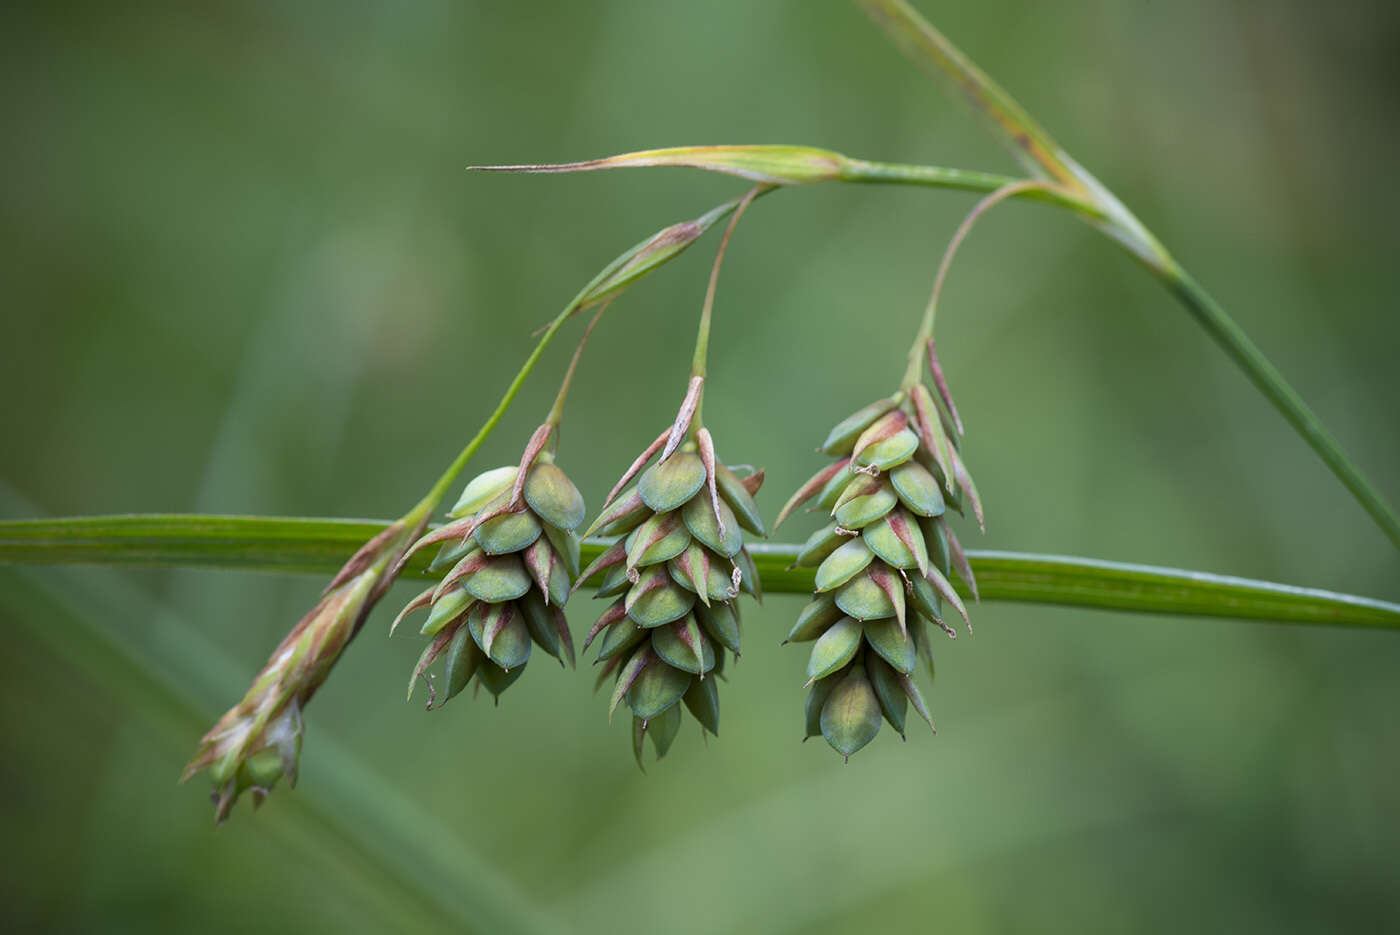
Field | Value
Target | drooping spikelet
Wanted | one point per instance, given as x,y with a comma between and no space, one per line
674,569
511,557
258,740
884,562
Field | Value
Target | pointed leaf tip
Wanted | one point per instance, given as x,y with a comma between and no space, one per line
763,164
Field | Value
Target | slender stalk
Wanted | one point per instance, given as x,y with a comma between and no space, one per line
916,350
556,412
896,173
1266,378
702,337
434,496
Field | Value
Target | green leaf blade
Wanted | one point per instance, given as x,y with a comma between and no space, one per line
292,544
261,543
1081,582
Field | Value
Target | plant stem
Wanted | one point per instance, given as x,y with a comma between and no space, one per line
916,350
702,337
894,173
556,412
439,489
1266,378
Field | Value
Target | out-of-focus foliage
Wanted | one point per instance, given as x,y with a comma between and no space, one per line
245,272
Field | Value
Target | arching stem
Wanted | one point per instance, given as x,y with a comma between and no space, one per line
916,351
702,337
556,412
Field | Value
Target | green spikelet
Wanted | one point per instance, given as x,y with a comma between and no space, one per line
885,562
510,558
677,566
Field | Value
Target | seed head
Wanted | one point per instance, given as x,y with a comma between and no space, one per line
884,563
509,559
674,570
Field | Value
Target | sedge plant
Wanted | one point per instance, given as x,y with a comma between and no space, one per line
886,569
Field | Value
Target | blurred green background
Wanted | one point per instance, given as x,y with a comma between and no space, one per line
244,271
